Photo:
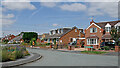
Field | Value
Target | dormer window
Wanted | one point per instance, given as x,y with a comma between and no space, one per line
56,31
93,30
108,27
117,26
75,30
53,31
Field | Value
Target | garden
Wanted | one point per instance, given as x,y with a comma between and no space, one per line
12,53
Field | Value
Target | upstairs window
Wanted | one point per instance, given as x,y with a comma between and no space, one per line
93,30
75,30
118,28
107,29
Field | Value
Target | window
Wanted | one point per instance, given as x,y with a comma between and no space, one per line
60,40
56,31
92,41
107,29
93,30
75,30
118,28
51,32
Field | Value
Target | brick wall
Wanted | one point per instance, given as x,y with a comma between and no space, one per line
99,34
72,34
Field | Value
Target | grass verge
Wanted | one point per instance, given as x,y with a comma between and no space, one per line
93,52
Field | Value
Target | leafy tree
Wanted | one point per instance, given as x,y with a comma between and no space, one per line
115,36
33,40
28,36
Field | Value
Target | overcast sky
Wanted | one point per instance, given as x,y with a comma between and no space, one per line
41,17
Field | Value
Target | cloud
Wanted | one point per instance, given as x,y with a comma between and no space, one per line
73,7
102,8
48,4
7,19
7,16
18,5
55,25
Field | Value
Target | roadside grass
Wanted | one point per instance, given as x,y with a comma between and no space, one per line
93,52
12,53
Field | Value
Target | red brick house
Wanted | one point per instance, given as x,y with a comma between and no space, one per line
97,33
8,37
64,35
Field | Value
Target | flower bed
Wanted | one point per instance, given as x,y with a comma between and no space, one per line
11,53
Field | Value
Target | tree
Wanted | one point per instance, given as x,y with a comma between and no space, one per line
33,40
27,36
115,36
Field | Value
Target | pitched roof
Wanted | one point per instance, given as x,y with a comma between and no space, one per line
18,38
60,34
102,24
106,36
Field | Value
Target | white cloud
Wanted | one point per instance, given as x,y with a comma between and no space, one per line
7,16
48,4
55,25
18,5
102,8
7,19
73,7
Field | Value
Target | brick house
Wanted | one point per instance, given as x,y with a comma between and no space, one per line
17,39
8,37
97,33
64,35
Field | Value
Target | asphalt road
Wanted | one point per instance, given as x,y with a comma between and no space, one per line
56,58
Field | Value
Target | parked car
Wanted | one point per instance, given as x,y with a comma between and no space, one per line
73,43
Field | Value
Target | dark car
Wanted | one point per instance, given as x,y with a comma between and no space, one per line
73,43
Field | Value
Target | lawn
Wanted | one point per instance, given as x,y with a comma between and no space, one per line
93,52
12,53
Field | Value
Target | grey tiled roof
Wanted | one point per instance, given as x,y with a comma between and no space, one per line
102,24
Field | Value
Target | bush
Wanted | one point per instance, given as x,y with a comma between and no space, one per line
14,42
76,46
19,54
48,44
106,47
11,53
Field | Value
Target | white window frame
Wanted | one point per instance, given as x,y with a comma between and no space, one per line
91,30
75,30
94,42
107,29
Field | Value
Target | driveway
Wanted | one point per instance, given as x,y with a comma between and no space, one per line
56,58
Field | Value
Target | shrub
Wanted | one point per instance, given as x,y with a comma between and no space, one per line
106,47
12,56
76,46
19,54
4,57
48,44
14,42
11,53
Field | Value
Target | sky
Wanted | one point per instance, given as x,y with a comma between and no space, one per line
41,17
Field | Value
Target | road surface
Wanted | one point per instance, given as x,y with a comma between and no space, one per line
56,58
